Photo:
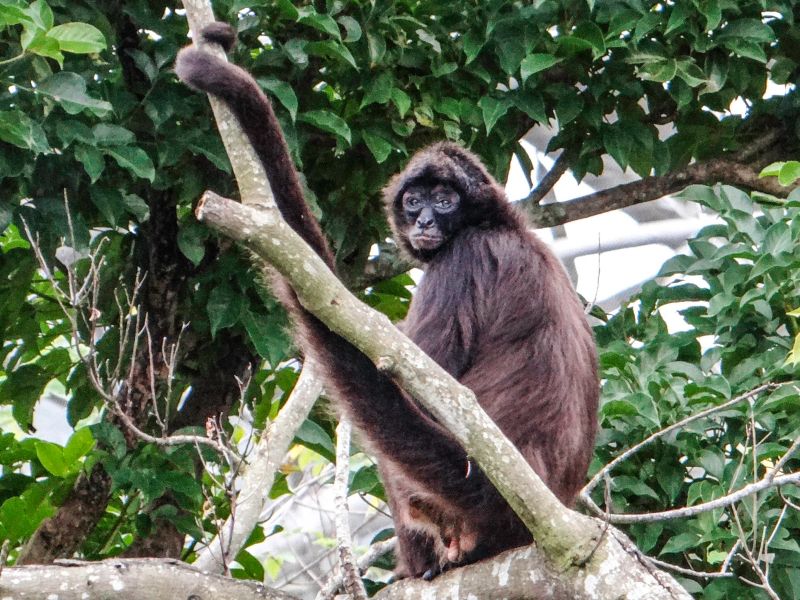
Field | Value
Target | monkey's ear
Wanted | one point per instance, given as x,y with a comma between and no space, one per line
220,33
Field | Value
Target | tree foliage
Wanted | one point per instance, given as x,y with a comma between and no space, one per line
103,152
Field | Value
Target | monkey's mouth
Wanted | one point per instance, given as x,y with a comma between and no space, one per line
426,241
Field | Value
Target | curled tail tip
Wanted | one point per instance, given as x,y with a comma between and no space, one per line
186,63
220,33
193,65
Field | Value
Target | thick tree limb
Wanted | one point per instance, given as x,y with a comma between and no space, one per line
130,579
573,544
652,188
258,475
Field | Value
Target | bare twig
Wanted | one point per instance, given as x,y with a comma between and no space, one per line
691,511
351,576
171,440
369,558
690,572
753,560
778,468
560,166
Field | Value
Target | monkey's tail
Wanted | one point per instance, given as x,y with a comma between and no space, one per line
395,426
253,110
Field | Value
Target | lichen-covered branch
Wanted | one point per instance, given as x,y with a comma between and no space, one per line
129,579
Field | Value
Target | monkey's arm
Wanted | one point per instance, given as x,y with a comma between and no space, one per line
393,424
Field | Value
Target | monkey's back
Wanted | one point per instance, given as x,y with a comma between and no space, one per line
506,307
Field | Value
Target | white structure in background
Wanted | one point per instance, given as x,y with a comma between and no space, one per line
610,255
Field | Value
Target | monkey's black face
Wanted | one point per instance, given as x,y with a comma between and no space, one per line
432,213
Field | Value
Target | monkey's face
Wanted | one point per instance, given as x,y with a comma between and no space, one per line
431,212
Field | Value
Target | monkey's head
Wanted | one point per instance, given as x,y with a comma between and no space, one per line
443,190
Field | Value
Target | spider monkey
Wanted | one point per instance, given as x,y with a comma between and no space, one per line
495,309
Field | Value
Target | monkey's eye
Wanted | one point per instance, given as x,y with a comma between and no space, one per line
411,201
443,201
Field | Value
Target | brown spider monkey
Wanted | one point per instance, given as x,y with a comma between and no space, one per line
495,309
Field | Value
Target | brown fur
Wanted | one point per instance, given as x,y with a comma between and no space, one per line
495,309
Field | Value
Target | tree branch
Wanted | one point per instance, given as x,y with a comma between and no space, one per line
130,579
651,188
560,166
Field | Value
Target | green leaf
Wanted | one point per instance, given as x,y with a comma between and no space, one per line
327,121
268,336
332,49
40,14
364,480
191,241
677,17
283,92
772,170
110,438
22,389
20,130
351,27
661,71
79,445
379,90
322,22
69,130
376,46
430,39
78,38
134,160
533,63
626,483
472,42
52,458
591,33
789,173
137,207
316,438
13,15
69,90
91,159
568,107
747,49
224,307
380,148
107,134
691,73
493,109
109,202
42,45
532,104
754,30
401,100
680,542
